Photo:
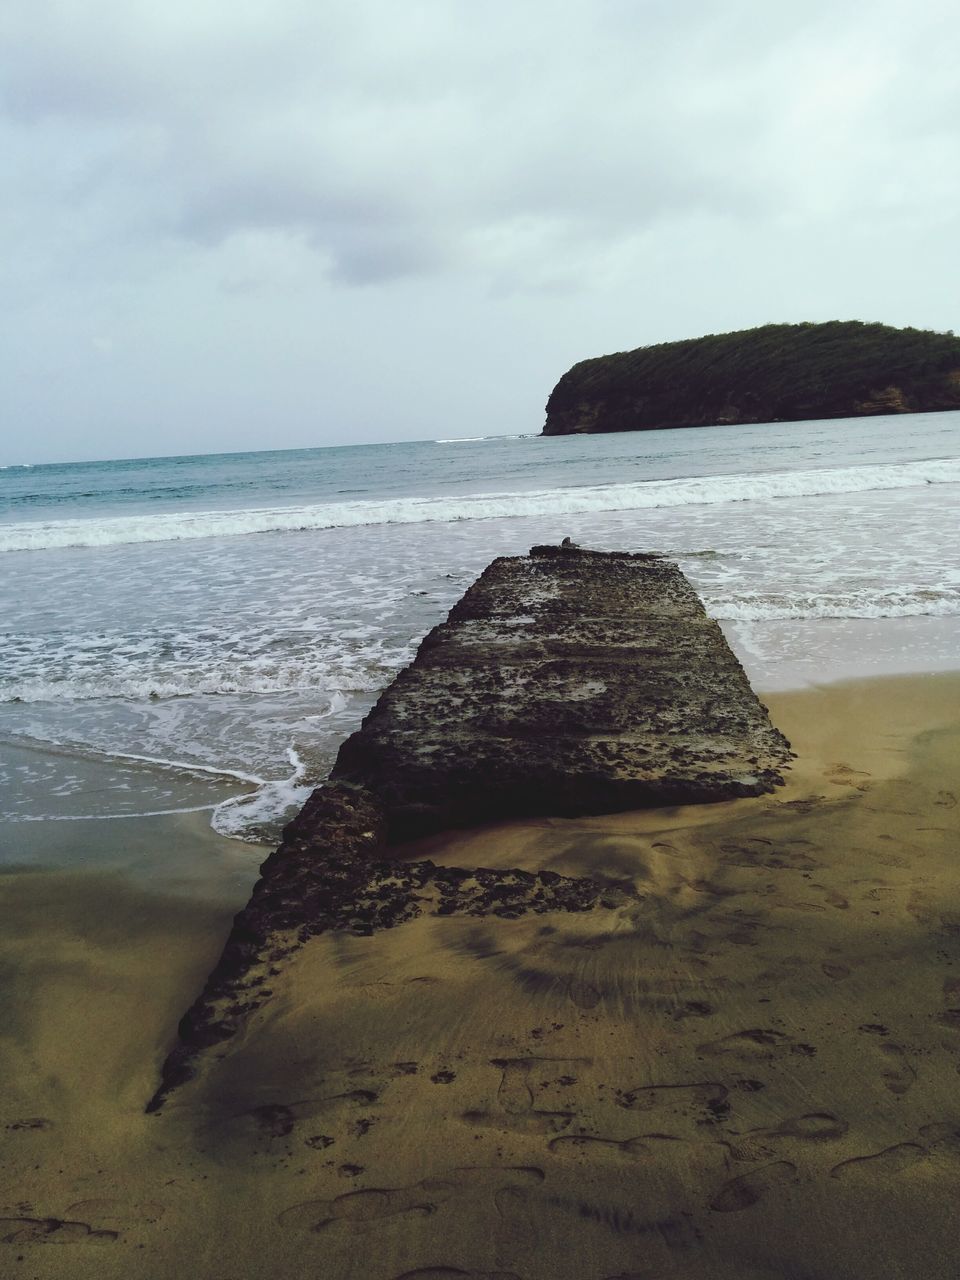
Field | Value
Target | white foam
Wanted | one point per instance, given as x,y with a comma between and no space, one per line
96,817
87,750
137,687
254,815
183,766
160,665
919,602
696,491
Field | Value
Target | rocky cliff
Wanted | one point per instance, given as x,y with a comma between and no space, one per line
777,373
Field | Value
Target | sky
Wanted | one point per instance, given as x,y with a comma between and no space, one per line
252,224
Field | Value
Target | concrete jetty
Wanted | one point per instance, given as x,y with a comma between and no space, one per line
565,682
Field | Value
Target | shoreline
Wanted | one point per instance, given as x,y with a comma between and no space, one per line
68,841
768,1037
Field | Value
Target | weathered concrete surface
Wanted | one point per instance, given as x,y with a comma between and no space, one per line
565,682
332,871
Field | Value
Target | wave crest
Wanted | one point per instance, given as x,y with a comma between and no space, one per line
694,491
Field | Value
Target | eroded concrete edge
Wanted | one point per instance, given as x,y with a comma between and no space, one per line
332,870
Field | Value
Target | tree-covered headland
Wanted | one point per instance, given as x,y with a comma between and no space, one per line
776,373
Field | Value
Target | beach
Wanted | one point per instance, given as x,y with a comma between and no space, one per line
749,1070
742,1065
208,630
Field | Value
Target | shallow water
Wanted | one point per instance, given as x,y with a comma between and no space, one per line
211,628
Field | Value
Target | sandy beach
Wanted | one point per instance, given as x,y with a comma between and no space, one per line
748,1070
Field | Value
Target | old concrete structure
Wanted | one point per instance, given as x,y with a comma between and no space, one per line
564,682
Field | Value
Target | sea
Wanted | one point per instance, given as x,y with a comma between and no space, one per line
201,633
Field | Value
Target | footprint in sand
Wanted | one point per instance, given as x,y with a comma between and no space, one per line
693,1009
701,1271
843,775
922,906
946,799
837,900
659,1149
358,1207
881,893
117,1214
455,1273
630,1148
763,853
942,1138
52,1231
515,1098
278,1119
583,993
884,1164
896,1070
750,1188
756,1043
530,1122
938,1142
835,972
804,806
951,994
355,1209
29,1123
708,1096
814,1126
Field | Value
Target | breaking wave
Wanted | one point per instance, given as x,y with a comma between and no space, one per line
695,491
917,602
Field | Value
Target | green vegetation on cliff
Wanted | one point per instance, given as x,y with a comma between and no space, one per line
777,373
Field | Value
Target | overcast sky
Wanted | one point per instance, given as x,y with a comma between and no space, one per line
247,224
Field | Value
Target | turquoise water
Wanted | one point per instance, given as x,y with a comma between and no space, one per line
201,623
511,464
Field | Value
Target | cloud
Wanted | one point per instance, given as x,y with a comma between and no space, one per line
636,169
404,139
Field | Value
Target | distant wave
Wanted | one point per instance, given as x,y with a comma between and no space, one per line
695,491
133,685
904,602
474,439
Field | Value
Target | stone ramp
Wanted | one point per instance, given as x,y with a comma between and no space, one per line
565,682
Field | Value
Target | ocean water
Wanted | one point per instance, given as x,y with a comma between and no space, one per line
203,632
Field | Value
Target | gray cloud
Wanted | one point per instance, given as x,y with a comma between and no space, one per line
593,173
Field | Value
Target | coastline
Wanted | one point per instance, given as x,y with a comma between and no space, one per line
571,1096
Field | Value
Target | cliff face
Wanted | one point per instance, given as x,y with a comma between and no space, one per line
777,373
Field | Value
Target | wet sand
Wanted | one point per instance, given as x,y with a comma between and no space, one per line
748,1070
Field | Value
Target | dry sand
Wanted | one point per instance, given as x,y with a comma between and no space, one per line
749,1071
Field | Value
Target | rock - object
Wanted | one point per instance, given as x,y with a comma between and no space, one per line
776,373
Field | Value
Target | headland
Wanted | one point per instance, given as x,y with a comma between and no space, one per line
775,373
